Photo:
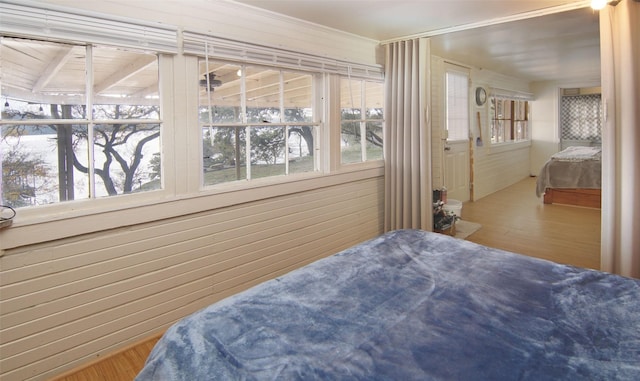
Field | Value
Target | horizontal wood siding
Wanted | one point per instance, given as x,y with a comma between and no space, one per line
69,301
498,170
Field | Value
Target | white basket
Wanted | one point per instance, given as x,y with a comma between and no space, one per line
453,207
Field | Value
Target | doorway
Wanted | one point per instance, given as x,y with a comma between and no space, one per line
456,156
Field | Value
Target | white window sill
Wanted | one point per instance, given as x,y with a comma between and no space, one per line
74,218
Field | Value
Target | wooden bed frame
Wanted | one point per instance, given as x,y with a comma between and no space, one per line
590,198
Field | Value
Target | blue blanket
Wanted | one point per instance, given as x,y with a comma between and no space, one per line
414,305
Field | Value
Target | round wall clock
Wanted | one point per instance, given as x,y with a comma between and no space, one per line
481,96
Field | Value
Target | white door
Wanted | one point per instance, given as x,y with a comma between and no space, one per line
456,169
456,147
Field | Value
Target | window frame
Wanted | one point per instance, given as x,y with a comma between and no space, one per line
519,112
93,203
243,123
574,110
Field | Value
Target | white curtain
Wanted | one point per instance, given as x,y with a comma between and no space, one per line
408,194
620,56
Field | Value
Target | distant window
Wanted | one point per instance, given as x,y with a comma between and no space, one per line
509,119
255,121
362,119
68,136
457,105
581,118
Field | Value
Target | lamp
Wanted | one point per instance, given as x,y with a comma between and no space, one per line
598,4
6,102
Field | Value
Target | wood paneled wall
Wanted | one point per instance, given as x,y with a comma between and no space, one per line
498,170
494,167
70,301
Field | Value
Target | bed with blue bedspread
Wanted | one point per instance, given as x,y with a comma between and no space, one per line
414,305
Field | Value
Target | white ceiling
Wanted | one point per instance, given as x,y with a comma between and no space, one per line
535,40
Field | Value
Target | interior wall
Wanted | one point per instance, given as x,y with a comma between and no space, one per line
544,123
495,166
69,301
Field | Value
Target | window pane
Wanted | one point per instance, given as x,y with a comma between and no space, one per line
497,131
267,151
301,146
374,97
31,157
350,95
263,95
126,158
361,114
224,154
374,141
37,76
520,130
221,89
298,97
125,84
581,118
351,144
351,115
457,106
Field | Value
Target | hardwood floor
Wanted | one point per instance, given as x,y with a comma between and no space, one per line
123,365
513,219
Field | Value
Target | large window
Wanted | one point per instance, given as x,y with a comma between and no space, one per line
78,121
361,115
256,122
509,119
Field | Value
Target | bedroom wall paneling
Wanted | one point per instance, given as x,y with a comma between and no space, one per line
545,140
67,302
499,170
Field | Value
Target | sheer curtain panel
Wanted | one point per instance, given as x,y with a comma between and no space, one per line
408,194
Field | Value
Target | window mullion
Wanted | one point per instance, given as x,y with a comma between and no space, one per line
91,124
243,119
363,121
286,128
247,147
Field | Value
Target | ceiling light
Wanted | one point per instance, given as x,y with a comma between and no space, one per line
6,103
598,4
